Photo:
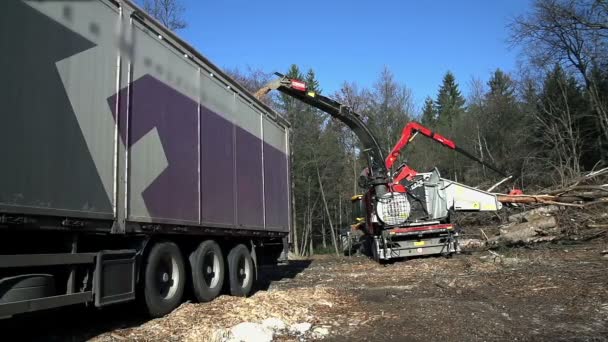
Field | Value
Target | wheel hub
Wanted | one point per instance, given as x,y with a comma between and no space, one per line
210,268
167,277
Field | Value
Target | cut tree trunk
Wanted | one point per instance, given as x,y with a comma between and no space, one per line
545,199
534,213
471,243
535,231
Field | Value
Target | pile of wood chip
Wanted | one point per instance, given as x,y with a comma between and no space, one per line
204,321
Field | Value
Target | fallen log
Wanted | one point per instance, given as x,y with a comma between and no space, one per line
544,199
471,243
534,231
539,223
531,214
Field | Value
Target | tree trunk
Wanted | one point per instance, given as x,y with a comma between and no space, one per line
294,216
528,231
323,235
294,225
483,167
312,247
331,226
305,219
304,234
305,239
339,210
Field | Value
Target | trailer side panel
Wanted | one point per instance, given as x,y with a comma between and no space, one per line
276,161
55,128
114,117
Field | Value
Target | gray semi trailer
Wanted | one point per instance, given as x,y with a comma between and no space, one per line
130,165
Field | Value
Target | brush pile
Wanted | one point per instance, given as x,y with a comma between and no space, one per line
578,211
583,192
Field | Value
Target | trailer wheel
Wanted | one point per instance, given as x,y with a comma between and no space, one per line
240,271
207,263
164,278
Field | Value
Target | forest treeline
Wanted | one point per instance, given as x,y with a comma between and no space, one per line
545,124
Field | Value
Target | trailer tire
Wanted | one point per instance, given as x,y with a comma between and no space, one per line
241,271
164,278
207,264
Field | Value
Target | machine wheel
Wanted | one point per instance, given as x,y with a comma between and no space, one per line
346,245
164,278
207,264
240,271
375,253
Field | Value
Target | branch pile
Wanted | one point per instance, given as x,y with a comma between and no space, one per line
577,211
579,193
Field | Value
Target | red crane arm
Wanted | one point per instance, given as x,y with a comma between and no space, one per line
408,134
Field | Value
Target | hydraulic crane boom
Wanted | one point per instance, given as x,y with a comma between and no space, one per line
298,89
409,133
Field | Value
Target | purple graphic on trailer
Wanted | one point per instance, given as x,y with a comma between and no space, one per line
227,197
173,194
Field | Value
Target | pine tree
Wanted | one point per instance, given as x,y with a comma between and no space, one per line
288,103
561,90
429,113
306,148
501,85
450,102
500,110
596,143
311,81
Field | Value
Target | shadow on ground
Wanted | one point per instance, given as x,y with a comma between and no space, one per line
79,323
76,323
269,274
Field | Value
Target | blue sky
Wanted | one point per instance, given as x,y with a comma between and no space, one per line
353,40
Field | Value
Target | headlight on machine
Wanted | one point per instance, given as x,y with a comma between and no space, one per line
393,208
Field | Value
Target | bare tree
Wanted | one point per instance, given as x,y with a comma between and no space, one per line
561,136
350,95
169,12
331,225
391,106
573,33
253,79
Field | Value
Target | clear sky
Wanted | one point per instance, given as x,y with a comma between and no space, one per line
353,40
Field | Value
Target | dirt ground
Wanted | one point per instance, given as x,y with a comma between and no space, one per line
552,292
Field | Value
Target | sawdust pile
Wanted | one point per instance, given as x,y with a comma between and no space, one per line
202,322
